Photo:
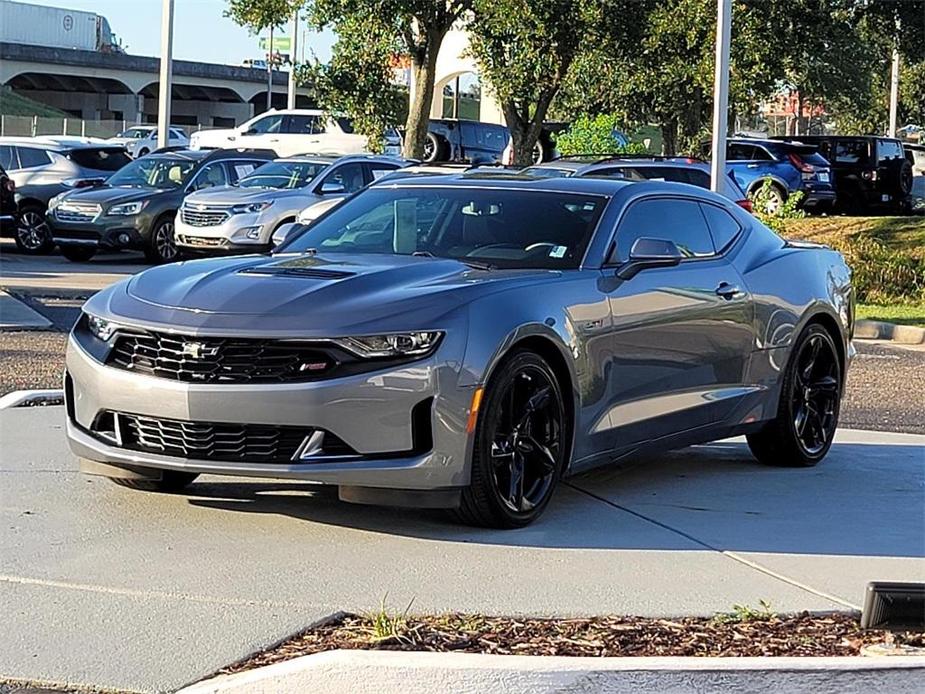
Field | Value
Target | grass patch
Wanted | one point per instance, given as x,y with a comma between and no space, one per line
901,314
887,254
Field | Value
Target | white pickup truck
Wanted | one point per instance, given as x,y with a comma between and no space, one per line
290,132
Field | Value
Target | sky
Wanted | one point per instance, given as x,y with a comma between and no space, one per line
200,32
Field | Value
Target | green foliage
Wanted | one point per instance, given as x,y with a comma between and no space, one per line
881,274
746,613
772,215
384,625
594,135
259,15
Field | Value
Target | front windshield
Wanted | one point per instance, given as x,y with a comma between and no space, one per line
134,133
283,175
501,227
153,172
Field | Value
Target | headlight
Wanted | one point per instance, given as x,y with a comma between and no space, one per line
395,345
102,328
127,209
55,201
251,207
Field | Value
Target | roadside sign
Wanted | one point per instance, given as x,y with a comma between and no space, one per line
280,43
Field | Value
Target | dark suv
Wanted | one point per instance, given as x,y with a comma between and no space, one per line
870,172
475,142
137,205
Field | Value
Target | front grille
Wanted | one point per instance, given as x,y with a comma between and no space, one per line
259,443
220,360
204,218
77,211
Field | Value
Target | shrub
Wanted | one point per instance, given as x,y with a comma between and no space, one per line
594,135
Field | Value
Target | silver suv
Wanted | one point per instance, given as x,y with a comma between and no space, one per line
40,161
244,217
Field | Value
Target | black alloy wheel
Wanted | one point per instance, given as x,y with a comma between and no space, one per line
32,235
809,406
520,445
162,247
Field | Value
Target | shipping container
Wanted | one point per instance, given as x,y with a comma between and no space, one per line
54,27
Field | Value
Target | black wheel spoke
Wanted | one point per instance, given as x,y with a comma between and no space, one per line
815,393
541,454
515,492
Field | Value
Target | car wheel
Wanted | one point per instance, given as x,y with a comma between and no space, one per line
162,247
521,445
141,153
32,233
775,200
906,178
810,399
434,148
171,481
78,254
539,152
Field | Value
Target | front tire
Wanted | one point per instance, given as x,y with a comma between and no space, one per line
435,149
521,445
171,481
162,247
78,254
810,400
32,235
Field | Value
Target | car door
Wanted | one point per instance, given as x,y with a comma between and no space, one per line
683,335
742,160
341,180
482,143
263,133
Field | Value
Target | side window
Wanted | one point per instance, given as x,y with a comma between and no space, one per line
678,220
740,152
851,152
8,158
304,125
761,154
270,124
722,225
379,169
888,150
350,176
210,176
29,157
238,169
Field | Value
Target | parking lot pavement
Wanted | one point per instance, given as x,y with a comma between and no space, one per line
52,274
113,588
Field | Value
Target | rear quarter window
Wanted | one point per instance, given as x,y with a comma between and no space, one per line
723,226
30,156
100,159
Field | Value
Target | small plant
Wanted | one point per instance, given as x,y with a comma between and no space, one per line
595,135
746,613
384,626
772,213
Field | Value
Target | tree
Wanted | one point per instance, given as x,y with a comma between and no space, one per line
526,49
415,28
260,15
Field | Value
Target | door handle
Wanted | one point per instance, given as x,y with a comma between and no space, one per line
752,166
727,291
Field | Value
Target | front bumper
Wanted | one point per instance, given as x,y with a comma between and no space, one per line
371,412
108,233
229,236
819,198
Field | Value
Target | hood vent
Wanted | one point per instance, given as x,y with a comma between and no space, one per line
306,272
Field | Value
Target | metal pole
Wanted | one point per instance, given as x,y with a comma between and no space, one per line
721,94
894,93
290,101
270,72
166,77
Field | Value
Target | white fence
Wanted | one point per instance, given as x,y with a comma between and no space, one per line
32,126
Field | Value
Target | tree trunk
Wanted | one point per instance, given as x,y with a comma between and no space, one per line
424,69
670,138
525,128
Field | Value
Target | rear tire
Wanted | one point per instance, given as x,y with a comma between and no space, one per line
435,149
32,235
171,481
810,400
521,445
78,254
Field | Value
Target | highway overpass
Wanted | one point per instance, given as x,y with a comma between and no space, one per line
104,86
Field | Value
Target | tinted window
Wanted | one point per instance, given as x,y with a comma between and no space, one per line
346,124
740,152
350,176
100,159
304,125
210,176
270,124
8,158
850,152
507,228
153,172
29,157
680,221
761,154
379,169
722,225
889,150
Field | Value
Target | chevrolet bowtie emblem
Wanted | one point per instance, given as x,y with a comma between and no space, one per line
198,350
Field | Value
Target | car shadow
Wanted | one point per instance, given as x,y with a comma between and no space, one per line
863,499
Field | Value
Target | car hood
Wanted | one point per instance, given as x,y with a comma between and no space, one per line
235,195
109,195
303,295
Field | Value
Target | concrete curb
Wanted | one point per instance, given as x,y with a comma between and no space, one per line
361,672
878,330
15,315
22,398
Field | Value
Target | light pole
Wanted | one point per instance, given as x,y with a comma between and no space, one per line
721,95
165,87
894,93
293,48
270,71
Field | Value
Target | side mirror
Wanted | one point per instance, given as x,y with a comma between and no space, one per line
332,188
282,233
249,131
649,253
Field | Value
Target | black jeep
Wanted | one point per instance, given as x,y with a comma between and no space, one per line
871,173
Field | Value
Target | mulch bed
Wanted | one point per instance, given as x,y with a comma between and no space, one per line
747,633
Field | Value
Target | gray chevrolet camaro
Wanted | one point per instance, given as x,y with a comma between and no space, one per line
464,342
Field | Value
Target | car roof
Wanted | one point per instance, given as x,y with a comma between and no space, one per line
483,179
57,143
331,158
